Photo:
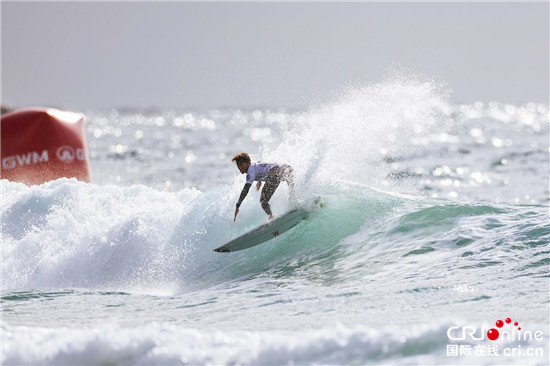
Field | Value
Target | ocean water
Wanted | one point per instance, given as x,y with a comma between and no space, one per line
436,226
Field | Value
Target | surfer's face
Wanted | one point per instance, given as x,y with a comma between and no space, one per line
243,167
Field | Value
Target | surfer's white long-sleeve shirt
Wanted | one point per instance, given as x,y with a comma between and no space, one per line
258,172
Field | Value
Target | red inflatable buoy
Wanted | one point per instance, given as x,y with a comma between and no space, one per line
43,144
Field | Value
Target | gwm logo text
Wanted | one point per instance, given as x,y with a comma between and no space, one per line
65,154
29,158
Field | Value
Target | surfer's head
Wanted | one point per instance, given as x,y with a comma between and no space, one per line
243,162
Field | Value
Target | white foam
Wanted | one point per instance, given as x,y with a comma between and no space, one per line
69,233
168,344
163,344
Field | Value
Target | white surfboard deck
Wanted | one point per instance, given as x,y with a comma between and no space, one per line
265,232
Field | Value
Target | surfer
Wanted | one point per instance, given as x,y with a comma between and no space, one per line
271,174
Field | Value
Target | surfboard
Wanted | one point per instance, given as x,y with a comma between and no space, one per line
265,232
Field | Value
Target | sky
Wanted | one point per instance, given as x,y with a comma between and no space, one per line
77,55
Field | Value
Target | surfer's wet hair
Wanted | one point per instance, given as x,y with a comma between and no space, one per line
241,158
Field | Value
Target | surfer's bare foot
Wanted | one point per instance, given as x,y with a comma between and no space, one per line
271,217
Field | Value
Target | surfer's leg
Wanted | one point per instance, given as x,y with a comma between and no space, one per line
271,183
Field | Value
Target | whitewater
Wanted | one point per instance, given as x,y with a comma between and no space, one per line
436,226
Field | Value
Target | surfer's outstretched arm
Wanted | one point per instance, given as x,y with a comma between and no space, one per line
244,192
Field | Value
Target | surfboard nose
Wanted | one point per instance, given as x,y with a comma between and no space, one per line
222,250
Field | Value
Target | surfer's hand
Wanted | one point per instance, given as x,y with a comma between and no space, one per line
258,185
236,212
